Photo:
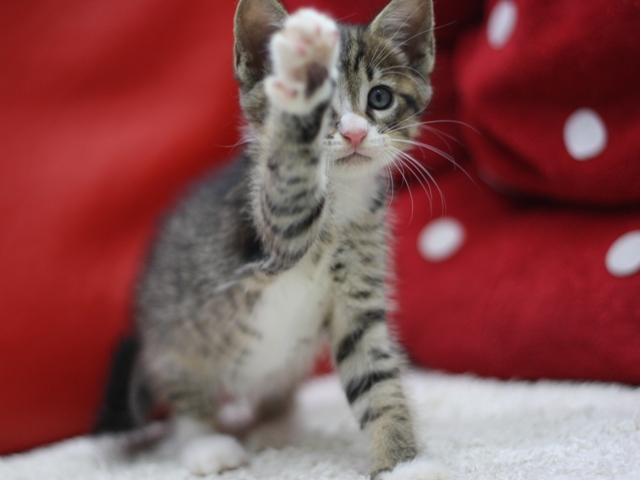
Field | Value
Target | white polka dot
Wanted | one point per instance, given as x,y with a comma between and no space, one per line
501,23
585,134
440,239
623,257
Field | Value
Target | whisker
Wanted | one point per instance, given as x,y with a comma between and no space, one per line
406,182
455,121
431,148
339,20
441,153
246,138
400,125
425,124
389,184
441,134
422,171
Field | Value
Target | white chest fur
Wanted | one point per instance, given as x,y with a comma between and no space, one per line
353,196
288,316
290,311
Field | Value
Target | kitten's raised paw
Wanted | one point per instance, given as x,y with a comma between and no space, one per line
417,469
213,454
304,55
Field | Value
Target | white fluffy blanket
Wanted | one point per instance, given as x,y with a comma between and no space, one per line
480,429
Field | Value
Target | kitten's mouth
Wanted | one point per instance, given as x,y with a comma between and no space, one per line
353,159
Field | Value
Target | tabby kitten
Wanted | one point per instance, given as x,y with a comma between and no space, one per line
289,245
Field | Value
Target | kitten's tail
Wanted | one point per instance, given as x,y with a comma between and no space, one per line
127,401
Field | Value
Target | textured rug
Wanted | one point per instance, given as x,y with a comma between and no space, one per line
478,428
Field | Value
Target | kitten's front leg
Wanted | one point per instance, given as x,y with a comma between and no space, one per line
370,363
290,182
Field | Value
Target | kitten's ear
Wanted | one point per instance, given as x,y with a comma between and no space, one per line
255,22
409,25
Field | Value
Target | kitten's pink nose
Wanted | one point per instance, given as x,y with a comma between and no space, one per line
354,128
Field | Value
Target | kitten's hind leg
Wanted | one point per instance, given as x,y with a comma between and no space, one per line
201,449
275,422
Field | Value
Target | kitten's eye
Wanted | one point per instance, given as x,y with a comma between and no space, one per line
380,98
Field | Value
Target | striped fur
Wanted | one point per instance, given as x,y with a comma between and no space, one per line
290,243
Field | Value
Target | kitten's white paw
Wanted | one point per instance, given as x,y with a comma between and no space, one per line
304,55
213,454
417,469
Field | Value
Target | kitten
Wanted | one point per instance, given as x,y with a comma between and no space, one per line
289,244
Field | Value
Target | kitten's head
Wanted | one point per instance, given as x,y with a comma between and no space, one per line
383,84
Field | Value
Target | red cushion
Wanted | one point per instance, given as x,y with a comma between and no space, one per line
559,66
527,295
108,108
550,96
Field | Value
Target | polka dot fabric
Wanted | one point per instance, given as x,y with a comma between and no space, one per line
531,268
552,90
533,291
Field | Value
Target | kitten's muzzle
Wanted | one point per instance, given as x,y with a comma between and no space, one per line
353,159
